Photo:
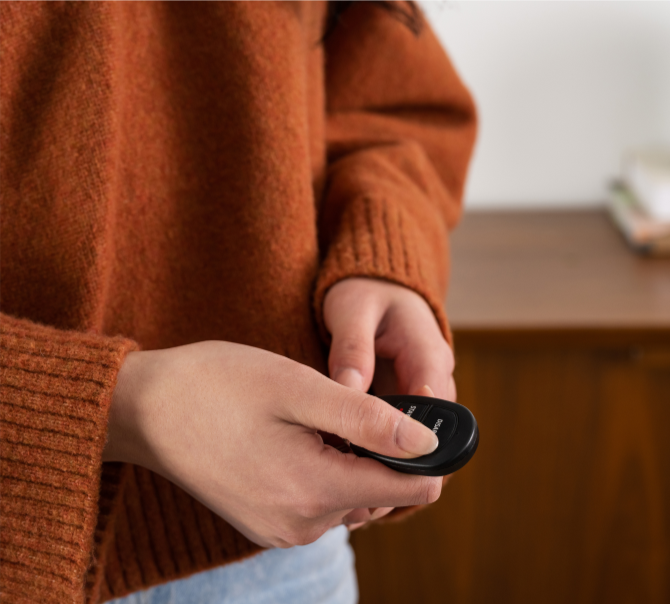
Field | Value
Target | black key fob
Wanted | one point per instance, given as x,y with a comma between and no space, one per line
454,425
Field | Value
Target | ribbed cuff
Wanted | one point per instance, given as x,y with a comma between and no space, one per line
55,394
377,239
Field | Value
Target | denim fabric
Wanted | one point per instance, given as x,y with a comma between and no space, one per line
320,573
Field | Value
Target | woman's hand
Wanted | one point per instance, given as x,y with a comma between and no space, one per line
387,335
236,427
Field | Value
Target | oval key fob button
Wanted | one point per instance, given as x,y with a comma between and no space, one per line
442,423
454,425
414,410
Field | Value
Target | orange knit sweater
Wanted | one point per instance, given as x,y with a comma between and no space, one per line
176,172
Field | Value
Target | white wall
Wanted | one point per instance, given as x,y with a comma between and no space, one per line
563,88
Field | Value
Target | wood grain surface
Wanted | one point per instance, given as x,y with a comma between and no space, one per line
568,497
552,270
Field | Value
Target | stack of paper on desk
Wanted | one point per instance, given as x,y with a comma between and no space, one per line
647,175
645,234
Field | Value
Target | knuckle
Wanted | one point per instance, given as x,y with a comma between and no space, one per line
354,344
312,507
290,536
301,535
443,355
370,420
431,490
279,542
449,358
307,536
351,349
440,359
424,491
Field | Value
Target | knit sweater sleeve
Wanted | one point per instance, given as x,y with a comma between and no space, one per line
400,132
55,394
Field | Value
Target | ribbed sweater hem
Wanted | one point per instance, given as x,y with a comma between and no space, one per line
55,394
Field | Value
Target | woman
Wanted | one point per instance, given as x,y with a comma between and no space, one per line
207,209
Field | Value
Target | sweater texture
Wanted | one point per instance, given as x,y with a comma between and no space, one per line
178,172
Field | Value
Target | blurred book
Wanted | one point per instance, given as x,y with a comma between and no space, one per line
645,232
646,173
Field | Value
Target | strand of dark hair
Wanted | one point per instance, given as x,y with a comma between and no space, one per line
407,13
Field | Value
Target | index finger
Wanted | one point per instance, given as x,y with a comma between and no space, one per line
352,482
421,356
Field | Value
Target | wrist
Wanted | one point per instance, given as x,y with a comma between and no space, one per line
122,427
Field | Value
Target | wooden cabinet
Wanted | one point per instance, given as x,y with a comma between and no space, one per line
563,354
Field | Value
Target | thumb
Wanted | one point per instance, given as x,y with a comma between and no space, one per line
352,353
425,391
368,422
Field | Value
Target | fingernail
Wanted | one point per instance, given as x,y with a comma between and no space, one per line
349,377
425,390
415,438
380,513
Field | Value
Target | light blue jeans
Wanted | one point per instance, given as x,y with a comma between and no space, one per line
320,573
